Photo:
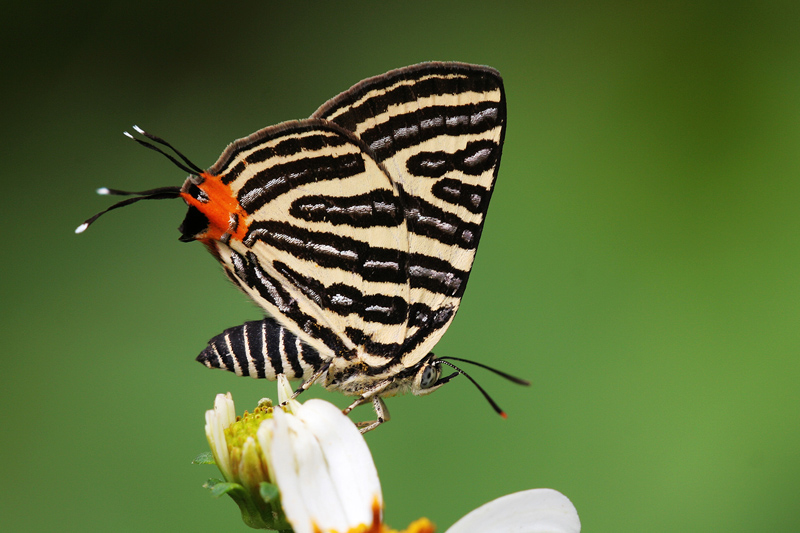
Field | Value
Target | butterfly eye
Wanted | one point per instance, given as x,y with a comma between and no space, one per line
429,376
194,223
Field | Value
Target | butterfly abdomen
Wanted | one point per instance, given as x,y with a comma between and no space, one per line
261,349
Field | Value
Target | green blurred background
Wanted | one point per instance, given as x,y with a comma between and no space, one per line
640,261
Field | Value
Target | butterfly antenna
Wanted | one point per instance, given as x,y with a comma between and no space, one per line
509,377
160,193
191,169
485,394
105,191
159,140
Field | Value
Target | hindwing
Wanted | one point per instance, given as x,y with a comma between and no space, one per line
322,244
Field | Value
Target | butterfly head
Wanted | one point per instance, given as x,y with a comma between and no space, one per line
429,377
214,211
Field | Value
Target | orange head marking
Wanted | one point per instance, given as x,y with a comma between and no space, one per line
218,204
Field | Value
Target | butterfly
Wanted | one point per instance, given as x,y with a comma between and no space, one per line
355,230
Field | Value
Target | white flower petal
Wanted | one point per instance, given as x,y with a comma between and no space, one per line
530,511
349,461
217,420
264,436
227,407
285,392
322,467
302,477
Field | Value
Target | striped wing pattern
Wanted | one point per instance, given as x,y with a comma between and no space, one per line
355,229
437,130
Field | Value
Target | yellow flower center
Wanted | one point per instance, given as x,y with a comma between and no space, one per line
247,425
246,461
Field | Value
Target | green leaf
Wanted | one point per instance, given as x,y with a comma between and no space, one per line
224,487
272,498
266,514
205,458
269,492
211,482
219,487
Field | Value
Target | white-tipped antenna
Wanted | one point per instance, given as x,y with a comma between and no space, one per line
151,194
187,166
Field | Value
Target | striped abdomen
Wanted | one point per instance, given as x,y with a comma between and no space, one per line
261,349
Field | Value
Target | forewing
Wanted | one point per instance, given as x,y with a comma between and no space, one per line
437,129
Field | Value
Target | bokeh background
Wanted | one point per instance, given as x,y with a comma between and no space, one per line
640,261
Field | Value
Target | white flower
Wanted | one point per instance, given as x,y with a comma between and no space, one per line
529,511
323,469
314,454
328,482
235,459
326,479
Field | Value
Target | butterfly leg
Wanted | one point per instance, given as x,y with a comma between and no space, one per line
369,394
381,414
310,381
307,383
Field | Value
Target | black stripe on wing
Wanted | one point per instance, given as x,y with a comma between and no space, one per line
371,263
413,128
428,321
278,179
284,148
346,300
436,85
331,250
473,198
436,275
375,208
406,85
474,159
307,136
426,219
248,272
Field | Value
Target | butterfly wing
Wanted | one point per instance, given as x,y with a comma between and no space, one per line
311,228
357,228
437,130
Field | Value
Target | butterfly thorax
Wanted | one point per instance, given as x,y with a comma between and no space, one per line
358,379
